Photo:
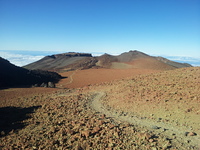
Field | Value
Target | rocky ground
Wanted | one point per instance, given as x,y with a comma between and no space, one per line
154,111
171,97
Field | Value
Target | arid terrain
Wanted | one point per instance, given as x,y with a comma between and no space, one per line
132,59
105,109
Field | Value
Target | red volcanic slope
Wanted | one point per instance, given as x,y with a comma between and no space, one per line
73,61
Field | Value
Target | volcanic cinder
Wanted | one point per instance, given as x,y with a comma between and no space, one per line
132,102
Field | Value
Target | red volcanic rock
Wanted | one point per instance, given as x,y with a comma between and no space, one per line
86,133
96,130
70,131
191,134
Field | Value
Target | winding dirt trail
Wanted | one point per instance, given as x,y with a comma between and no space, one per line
70,80
71,77
157,127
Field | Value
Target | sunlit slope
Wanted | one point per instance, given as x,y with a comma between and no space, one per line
132,59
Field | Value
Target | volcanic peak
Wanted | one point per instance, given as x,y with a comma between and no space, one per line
132,59
73,54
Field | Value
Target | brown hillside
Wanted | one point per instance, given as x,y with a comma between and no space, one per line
131,55
173,63
73,61
58,61
150,63
106,60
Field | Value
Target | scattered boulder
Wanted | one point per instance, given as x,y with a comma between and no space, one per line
190,134
44,85
51,85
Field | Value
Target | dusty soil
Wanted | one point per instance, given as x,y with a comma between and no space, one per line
145,111
169,100
81,78
170,96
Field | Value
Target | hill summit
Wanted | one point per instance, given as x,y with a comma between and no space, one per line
132,59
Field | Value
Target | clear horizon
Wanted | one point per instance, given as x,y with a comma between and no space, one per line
153,27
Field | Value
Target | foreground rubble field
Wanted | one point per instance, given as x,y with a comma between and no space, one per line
64,120
124,114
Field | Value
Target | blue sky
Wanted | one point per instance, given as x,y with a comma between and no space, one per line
160,27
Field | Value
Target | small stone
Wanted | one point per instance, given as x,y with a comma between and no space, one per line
103,116
96,129
69,131
116,134
174,137
51,85
43,85
155,127
144,136
86,133
101,122
3,133
164,130
191,134
53,129
186,133
166,145
35,85
151,140
188,141
78,147
111,145
111,126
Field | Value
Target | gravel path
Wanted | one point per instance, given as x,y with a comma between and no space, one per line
70,80
83,118
178,134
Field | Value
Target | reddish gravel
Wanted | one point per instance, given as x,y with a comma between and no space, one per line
45,118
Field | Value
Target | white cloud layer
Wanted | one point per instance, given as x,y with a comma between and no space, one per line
22,58
194,61
19,59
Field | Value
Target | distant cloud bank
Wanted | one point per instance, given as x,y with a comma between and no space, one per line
22,58
19,59
194,61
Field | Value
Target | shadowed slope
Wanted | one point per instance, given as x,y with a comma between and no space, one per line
58,61
12,75
11,118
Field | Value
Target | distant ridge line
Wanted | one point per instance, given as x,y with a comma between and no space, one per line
132,59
